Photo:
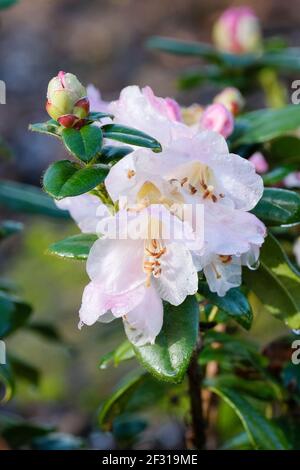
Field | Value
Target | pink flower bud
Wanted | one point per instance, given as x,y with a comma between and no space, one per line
232,99
67,100
217,118
238,31
260,163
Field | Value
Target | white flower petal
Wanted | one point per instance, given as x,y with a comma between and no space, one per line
87,210
144,322
178,274
222,277
117,264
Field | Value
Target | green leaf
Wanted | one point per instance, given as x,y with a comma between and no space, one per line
50,128
234,304
122,353
278,207
116,403
291,377
203,50
276,283
45,330
7,382
287,60
265,124
9,227
130,136
19,433
285,149
26,198
169,357
57,441
97,116
267,390
74,247
110,153
7,3
13,314
263,434
64,178
5,150
24,370
85,143
278,174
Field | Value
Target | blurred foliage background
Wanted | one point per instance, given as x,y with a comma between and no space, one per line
101,41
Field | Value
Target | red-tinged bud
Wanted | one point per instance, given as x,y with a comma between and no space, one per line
68,120
82,108
66,97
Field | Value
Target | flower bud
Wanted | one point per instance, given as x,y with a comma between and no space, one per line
238,31
232,99
67,100
192,114
260,163
217,118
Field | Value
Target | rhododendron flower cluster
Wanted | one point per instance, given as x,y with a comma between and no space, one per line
195,169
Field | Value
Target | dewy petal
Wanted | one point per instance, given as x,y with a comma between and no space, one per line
100,306
87,210
230,231
222,277
144,322
117,264
135,108
178,274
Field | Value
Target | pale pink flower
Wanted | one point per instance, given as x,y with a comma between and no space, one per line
238,31
296,250
218,118
260,163
130,277
200,170
292,180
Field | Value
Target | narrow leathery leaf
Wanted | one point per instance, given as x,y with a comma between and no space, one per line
74,247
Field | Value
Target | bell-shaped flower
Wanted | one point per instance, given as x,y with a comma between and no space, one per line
140,261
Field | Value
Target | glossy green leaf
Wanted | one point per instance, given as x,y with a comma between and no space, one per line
13,314
110,153
278,207
29,199
64,178
85,143
50,127
122,353
265,124
97,116
74,247
263,434
9,227
130,136
118,399
276,283
234,304
169,357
